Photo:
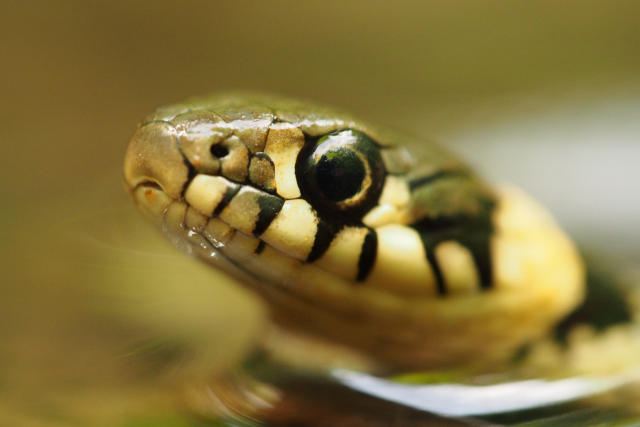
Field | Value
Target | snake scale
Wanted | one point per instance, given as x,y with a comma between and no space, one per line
415,263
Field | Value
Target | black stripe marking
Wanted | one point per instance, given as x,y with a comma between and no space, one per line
434,231
431,257
260,155
191,170
191,173
270,206
367,255
416,183
324,235
473,231
475,237
482,256
232,190
606,303
260,248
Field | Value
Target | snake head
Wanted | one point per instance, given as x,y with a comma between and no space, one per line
347,236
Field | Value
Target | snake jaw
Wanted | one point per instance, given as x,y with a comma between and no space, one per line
429,269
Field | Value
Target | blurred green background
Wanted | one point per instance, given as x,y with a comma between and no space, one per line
101,322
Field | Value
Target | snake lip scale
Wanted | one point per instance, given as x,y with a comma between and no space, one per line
414,262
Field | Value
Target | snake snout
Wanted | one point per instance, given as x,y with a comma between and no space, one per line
153,160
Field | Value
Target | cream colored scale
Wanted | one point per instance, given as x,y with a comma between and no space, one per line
283,146
209,200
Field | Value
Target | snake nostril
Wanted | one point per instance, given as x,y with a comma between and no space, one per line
219,151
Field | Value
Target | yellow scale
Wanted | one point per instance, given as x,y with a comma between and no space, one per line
351,241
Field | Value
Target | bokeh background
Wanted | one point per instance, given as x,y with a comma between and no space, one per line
102,323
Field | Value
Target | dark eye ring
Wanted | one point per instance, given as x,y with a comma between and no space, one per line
341,172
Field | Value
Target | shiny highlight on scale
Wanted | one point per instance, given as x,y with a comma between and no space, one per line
308,197
344,233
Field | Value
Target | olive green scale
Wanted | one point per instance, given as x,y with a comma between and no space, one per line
347,236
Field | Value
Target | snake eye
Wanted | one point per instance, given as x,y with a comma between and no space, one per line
341,172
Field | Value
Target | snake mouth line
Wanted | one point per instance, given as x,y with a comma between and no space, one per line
213,197
216,241
223,250
147,184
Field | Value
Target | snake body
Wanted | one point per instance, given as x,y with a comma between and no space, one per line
413,262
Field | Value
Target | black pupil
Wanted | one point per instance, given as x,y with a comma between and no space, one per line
219,151
339,174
